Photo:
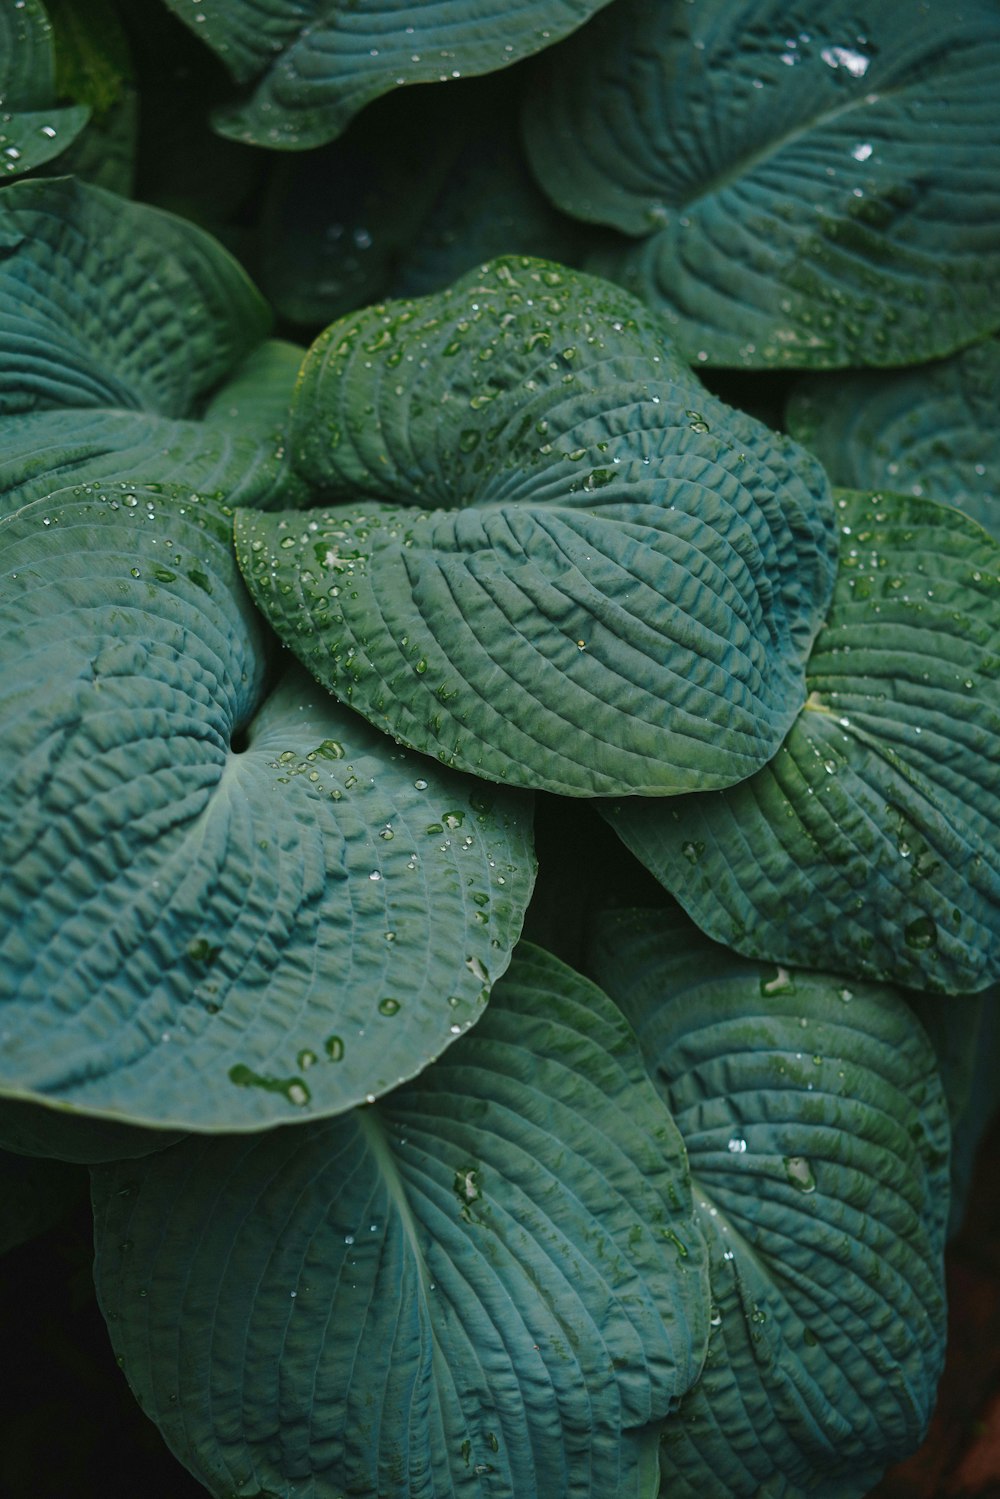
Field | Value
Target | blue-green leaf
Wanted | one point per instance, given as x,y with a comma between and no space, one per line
559,562
237,452
226,902
105,303
931,431
815,189
489,1283
870,843
313,64
32,128
817,1133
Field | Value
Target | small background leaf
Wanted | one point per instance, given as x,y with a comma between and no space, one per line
931,431
313,65
32,128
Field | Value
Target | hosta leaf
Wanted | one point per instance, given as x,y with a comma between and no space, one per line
817,1134
869,844
488,1283
815,190
931,431
236,453
313,64
109,303
32,129
219,890
563,563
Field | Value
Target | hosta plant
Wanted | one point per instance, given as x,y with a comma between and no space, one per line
499,872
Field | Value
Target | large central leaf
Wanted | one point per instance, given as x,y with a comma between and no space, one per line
488,1284
815,186
559,562
226,901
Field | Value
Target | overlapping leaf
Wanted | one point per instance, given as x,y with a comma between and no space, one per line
817,1133
32,128
814,189
226,902
313,64
930,431
563,563
105,303
488,1283
237,452
870,843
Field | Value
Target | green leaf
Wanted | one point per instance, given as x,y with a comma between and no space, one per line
931,431
313,64
869,845
110,303
226,902
237,452
817,1134
489,1282
32,129
817,195
563,563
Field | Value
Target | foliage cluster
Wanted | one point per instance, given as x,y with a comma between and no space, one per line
499,723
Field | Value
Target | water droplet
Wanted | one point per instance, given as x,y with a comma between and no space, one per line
782,983
737,1145
388,1006
334,1048
800,1173
921,933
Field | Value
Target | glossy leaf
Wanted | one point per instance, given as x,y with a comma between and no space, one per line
32,128
105,303
811,189
226,902
931,431
869,844
559,562
817,1133
313,64
488,1283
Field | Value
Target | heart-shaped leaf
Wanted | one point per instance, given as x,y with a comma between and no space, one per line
313,64
110,303
226,902
869,845
488,1283
817,1133
563,563
931,431
814,190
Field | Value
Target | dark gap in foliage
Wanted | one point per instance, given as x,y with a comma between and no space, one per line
583,868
